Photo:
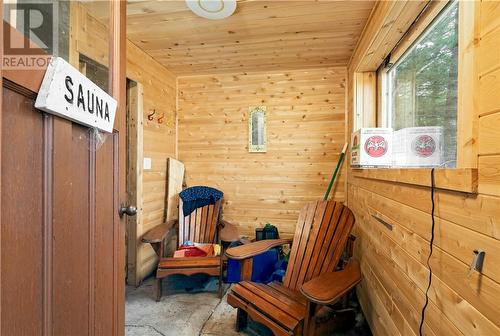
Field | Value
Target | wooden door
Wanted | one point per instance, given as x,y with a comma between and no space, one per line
61,238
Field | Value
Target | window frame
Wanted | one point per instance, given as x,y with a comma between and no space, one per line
467,129
368,57
384,87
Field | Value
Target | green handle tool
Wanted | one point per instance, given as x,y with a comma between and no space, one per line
339,163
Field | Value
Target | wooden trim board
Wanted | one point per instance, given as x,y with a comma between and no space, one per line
1,105
135,224
467,95
365,99
117,86
461,179
175,178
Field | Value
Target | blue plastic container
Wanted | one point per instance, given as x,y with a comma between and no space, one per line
262,268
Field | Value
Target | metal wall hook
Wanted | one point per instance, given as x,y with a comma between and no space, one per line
151,116
160,118
477,261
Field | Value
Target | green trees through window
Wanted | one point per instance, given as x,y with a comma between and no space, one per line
422,84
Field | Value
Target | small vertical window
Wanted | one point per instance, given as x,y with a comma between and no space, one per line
421,89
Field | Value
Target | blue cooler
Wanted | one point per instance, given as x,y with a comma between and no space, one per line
262,268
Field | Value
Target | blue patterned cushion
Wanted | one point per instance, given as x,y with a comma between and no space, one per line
197,197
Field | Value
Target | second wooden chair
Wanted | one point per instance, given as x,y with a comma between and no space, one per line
311,279
200,226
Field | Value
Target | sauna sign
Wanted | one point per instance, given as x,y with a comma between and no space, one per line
67,93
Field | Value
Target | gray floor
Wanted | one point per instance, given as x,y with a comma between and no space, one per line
179,313
190,307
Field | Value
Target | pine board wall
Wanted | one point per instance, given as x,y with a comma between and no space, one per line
393,261
159,93
306,131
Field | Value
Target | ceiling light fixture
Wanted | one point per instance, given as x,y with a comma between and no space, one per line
212,9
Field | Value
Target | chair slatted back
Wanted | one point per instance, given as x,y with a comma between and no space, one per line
199,226
322,231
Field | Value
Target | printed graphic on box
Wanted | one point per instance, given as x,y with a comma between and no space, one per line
418,147
371,147
376,146
423,145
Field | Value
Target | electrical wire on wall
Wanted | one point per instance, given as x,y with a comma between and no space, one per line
431,243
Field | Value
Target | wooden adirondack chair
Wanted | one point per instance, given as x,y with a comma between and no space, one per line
200,226
288,308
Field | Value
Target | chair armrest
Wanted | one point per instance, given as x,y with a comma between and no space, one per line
228,231
158,233
252,249
224,222
330,287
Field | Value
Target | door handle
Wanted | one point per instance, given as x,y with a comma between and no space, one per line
127,210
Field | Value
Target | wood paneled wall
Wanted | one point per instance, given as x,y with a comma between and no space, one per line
306,131
488,66
393,262
90,38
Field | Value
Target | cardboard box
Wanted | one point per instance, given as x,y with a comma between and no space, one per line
418,147
371,147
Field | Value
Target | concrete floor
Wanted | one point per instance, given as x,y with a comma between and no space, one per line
190,307
179,313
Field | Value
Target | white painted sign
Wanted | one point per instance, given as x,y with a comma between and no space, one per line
67,93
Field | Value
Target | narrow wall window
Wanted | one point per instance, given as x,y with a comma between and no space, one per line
94,71
257,129
420,96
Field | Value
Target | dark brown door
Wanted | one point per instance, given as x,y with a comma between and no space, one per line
61,239
57,223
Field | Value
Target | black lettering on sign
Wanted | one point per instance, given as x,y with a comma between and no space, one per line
81,100
69,87
98,105
86,99
106,112
90,102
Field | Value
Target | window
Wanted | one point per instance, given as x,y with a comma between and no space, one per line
420,90
94,71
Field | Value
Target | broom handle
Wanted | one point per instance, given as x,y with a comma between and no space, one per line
339,163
